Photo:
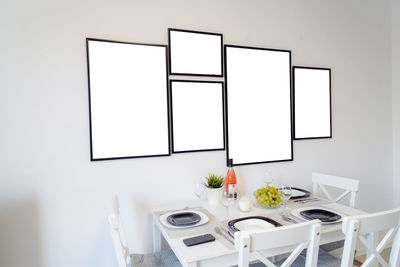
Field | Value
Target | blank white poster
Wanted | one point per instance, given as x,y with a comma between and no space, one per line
195,53
197,116
128,100
258,105
312,103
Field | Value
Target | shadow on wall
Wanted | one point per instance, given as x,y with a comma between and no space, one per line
20,243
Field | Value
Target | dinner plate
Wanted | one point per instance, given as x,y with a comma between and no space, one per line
183,218
297,213
299,193
252,223
320,214
164,219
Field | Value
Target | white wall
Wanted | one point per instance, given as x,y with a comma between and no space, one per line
396,97
54,201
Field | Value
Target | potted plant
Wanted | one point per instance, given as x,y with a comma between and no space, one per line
214,186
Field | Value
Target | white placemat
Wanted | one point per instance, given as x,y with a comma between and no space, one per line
209,228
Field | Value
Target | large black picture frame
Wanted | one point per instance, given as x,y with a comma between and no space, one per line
101,87
248,137
189,54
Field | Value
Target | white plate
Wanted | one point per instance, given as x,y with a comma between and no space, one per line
297,193
253,225
296,213
203,219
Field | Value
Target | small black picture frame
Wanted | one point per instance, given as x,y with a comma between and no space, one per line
312,103
197,116
195,53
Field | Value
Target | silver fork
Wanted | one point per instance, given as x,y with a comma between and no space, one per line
303,201
219,231
288,219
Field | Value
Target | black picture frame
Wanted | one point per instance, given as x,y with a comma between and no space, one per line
289,105
222,115
329,80
93,157
190,73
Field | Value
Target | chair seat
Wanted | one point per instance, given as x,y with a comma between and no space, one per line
165,258
324,260
332,246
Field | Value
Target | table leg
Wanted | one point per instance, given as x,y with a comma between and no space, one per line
156,237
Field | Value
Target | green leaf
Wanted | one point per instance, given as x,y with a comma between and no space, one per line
214,181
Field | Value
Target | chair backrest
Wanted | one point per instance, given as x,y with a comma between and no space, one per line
117,234
363,227
302,235
349,185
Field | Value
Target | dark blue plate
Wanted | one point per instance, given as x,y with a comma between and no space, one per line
322,215
183,218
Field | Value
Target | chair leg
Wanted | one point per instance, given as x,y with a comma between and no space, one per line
357,263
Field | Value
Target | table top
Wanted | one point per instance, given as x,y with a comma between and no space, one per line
219,215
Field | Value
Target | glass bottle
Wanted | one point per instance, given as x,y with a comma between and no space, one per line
231,182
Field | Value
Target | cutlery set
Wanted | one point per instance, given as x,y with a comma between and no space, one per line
219,231
303,201
288,219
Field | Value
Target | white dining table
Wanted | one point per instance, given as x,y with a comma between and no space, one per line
222,252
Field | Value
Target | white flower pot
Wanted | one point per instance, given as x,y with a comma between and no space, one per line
214,195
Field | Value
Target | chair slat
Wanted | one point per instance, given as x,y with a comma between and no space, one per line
263,259
345,193
375,223
280,236
349,185
374,253
325,192
336,181
296,252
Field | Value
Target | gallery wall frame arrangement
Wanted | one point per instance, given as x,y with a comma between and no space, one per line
258,105
137,108
197,116
312,104
128,99
195,53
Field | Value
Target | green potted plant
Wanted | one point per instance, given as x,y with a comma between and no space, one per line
214,186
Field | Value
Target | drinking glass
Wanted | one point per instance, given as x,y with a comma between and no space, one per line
285,193
199,189
268,180
228,203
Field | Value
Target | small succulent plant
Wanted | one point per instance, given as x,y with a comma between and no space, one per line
214,181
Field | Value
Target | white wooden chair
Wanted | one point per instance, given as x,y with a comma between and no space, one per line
124,258
350,186
302,235
363,227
